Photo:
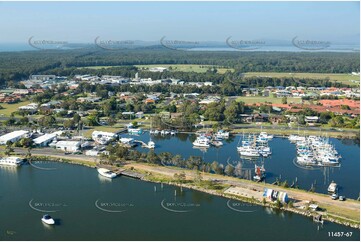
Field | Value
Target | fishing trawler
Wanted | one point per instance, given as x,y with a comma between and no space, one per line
260,173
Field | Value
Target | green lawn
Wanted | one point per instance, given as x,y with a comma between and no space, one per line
251,100
9,108
180,67
344,78
88,133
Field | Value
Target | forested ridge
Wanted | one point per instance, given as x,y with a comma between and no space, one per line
19,65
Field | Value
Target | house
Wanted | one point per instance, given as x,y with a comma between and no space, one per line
276,119
139,115
246,118
31,107
311,120
260,117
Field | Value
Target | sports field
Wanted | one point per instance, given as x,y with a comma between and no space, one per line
177,67
9,108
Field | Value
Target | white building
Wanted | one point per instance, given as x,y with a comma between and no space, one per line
32,107
46,139
157,69
103,137
13,136
68,146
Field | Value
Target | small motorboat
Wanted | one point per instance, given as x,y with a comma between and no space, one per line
151,144
47,219
106,173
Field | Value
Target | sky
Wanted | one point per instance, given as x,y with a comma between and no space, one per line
194,21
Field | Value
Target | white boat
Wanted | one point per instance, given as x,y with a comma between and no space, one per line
151,144
106,173
135,131
250,152
265,135
201,141
217,143
11,161
260,173
296,138
332,188
47,219
173,132
222,134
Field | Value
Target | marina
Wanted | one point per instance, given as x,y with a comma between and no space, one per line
279,166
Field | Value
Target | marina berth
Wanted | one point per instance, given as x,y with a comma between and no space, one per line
316,151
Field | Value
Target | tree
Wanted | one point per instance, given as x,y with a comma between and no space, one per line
229,170
284,100
337,121
152,157
198,177
8,149
47,121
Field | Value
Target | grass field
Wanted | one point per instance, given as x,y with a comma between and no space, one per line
343,78
251,100
180,67
88,133
9,108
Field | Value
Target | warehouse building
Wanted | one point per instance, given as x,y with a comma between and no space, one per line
46,139
13,136
68,146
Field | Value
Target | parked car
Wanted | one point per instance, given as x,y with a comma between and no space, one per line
342,198
334,196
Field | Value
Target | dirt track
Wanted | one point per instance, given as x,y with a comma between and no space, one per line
344,207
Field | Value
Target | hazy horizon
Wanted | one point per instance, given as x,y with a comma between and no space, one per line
82,22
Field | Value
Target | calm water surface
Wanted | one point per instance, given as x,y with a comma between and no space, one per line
89,207
279,165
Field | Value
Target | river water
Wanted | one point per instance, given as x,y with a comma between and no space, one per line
89,207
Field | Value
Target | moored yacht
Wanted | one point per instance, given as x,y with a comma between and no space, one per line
151,144
201,141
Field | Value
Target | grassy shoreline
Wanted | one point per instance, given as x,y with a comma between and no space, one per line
334,214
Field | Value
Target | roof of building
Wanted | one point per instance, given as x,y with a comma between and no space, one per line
13,135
